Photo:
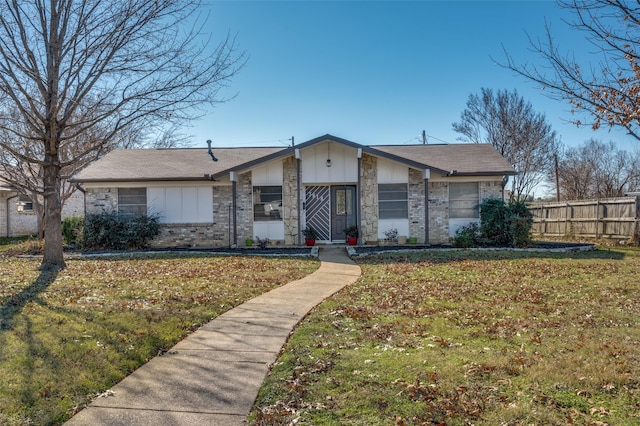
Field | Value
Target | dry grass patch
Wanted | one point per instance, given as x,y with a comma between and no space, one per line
461,338
66,337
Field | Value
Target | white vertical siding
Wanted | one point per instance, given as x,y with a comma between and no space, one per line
344,164
181,204
267,175
392,172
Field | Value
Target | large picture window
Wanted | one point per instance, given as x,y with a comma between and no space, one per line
464,200
267,203
132,201
393,201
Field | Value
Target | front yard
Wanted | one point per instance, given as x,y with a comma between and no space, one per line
437,337
67,337
461,338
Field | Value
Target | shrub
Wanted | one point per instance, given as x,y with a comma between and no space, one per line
500,225
493,226
519,219
109,230
73,231
467,236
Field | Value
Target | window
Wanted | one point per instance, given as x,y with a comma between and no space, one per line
267,203
464,201
132,201
393,201
25,204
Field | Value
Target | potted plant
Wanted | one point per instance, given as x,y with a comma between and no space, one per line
310,236
248,242
352,235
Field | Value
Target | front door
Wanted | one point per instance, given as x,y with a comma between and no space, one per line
330,209
343,210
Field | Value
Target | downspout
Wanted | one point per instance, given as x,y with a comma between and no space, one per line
8,214
84,209
358,201
427,175
299,193
84,195
234,206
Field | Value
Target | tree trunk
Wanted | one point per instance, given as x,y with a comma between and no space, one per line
53,252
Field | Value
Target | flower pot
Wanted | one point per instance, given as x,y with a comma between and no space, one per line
402,240
352,241
310,242
248,242
413,240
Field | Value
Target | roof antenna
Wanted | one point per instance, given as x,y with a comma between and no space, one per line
213,157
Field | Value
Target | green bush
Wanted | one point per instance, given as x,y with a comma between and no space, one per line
500,225
73,231
467,236
493,226
109,230
519,220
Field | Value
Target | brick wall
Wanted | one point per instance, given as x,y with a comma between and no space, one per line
416,205
438,212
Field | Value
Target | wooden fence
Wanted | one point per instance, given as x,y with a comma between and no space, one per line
615,218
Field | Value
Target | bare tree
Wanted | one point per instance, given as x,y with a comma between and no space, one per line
608,90
521,135
598,170
76,75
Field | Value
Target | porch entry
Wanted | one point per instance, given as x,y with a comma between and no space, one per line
330,209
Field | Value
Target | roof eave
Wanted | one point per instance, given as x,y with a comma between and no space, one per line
117,180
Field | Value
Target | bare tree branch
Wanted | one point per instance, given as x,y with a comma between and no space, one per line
79,77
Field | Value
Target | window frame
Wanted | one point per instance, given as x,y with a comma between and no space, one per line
24,204
129,208
465,199
273,197
392,188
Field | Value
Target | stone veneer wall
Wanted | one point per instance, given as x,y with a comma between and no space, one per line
416,205
369,198
244,207
290,200
438,212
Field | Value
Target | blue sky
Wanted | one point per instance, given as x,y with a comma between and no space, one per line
378,72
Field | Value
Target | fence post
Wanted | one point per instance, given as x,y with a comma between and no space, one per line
597,215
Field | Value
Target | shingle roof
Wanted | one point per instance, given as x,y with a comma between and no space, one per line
195,163
470,159
167,164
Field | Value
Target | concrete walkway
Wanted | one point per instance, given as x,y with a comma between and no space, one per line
213,376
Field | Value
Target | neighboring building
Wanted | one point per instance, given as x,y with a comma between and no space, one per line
328,183
17,216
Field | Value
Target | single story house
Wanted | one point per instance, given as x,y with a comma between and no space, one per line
18,217
220,197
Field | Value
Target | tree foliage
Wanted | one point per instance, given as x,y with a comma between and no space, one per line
509,123
607,88
597,169
78,76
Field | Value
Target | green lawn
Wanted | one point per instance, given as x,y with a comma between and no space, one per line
66,337
461,338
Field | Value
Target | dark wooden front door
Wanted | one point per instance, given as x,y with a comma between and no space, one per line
343,210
